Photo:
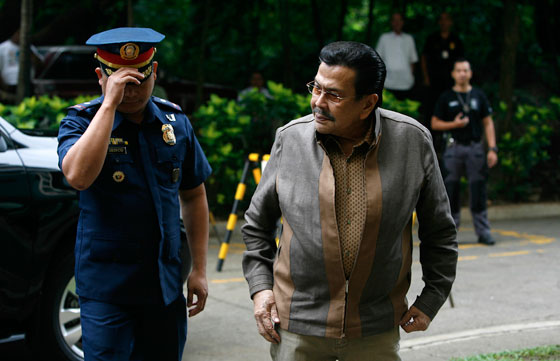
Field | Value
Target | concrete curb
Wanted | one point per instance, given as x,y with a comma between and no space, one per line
516,211
495,213
437,340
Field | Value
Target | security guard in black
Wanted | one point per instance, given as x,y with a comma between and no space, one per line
464,112
472,104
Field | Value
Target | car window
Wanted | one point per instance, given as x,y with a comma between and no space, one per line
71,66
5,142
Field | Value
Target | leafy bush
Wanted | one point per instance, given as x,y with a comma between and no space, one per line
229,130
525,151
43,113
407,106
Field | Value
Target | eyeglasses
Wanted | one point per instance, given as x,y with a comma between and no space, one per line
316,90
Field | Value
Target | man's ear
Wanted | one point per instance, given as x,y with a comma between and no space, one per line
369,104
99,73
154,70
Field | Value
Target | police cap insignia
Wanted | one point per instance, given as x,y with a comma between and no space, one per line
126,47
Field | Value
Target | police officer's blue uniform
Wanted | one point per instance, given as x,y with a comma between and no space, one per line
465,154
128,265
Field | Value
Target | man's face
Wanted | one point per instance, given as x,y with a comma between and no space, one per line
345,117
257,80
397,23
135,96
462,73
445,22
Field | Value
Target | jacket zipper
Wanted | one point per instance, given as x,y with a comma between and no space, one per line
345,309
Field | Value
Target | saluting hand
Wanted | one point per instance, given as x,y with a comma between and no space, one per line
266,315
116,83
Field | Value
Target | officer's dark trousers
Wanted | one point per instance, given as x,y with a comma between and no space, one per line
133,332
469,160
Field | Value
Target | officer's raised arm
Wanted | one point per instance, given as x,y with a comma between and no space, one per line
85,158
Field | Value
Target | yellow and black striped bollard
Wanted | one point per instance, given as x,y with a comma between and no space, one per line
239,194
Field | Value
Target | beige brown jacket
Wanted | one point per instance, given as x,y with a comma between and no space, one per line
306,272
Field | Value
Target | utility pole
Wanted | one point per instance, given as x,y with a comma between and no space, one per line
24,75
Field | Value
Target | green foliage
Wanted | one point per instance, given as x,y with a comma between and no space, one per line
407,106
41,113
542,353
523,149
229,130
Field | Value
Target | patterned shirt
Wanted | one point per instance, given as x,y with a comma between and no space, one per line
350,197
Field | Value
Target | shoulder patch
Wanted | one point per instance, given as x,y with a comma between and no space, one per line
86,105
166,103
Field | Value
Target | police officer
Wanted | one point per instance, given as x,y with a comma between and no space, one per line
465,113
136,162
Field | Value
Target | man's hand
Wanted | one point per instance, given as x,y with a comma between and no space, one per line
461,120
196,285
414,320
266,315
114,88
491,158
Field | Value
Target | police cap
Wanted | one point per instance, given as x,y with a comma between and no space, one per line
126,47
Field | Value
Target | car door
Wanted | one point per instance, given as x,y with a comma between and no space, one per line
17,225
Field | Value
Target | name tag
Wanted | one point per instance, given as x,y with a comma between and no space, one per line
117,150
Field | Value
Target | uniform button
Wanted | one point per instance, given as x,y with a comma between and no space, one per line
348,222
347,253
349,190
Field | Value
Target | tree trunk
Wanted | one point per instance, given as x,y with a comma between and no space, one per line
254,36
545,26
286,44
24,75
10,13
129,14
317,24
200,71
343,12
507,59
369,25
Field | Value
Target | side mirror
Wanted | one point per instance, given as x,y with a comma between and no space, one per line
3,144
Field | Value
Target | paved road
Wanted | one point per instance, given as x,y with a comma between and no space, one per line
505,297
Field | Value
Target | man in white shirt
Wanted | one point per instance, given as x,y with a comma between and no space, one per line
9,62
9,66
398,51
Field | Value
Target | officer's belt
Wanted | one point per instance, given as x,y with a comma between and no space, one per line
467,142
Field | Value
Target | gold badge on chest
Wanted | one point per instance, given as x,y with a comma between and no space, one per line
168,134
118,176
